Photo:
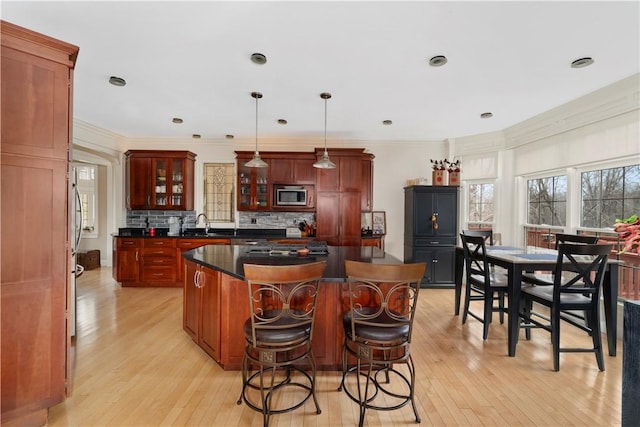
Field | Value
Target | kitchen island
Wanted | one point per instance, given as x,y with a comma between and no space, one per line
216,300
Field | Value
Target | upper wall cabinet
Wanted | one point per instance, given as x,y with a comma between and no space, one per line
348,174
256,185
159,180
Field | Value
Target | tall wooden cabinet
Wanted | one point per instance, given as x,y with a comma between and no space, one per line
339,194
159,180
36,105
431,230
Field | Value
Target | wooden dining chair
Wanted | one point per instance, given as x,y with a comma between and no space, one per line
378,329
579,290
483,283
278,335
545,278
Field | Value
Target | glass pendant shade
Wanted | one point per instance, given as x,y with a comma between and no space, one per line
256,161
325,162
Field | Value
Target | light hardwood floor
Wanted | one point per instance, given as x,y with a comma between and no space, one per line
134,366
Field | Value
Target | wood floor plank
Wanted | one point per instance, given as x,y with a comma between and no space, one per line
134,366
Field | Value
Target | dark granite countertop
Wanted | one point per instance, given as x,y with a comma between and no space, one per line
230,259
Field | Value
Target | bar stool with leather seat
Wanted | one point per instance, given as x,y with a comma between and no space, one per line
378,326
483,283
578,278
278,334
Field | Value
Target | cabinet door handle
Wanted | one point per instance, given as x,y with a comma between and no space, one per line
148,199
434,261
434,243
137,256
195,278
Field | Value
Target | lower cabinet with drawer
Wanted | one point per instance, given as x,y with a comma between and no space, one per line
154,261
159,267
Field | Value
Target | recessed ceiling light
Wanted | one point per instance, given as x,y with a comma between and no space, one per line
387,122
282,121
195,136
117,81
486,115
228,136
258,58
177,120
438,61
582,62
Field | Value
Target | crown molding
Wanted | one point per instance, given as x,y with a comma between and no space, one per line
605,103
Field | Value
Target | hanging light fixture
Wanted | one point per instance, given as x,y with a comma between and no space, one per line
256,162
325,162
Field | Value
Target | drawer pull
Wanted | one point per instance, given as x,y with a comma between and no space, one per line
158,274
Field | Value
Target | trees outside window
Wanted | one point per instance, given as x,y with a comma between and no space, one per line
547,200
609,194
481,203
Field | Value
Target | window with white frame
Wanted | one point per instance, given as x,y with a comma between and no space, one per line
219,179
547,200
87,182
609,194
481,203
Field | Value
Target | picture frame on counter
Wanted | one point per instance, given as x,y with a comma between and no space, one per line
379,220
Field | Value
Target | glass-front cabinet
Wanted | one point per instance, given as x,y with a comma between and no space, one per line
253,187
161,180
168,184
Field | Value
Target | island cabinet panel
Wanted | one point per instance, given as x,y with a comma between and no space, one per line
159,180
36,113
186,244
201,310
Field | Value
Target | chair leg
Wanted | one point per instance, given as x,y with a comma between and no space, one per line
555,338
467,298
344,364
488,314
527,306
501,306
312,359
596,336
244,378
412,373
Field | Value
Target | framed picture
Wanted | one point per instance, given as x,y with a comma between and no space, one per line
379,219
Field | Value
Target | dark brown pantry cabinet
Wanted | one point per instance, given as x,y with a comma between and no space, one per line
159,180
339,194
36,105
431,230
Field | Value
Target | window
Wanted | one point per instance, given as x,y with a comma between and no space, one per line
547,200
480,203
608,194
87,182
219,200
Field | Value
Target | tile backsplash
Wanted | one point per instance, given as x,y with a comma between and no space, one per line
160,219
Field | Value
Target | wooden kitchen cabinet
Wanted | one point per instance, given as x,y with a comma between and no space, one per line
201,307
36,113
159,180
367,184
254,187
338,219
294,169
341,194
126,259
188,244
159,267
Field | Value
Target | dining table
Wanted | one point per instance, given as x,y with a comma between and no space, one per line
516,260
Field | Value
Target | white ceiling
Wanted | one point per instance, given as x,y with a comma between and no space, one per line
191,60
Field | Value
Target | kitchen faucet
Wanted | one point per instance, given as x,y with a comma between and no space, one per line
206,220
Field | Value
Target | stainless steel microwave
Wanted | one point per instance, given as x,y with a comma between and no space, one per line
291,196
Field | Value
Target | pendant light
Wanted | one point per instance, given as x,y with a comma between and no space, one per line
256,162
324,162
